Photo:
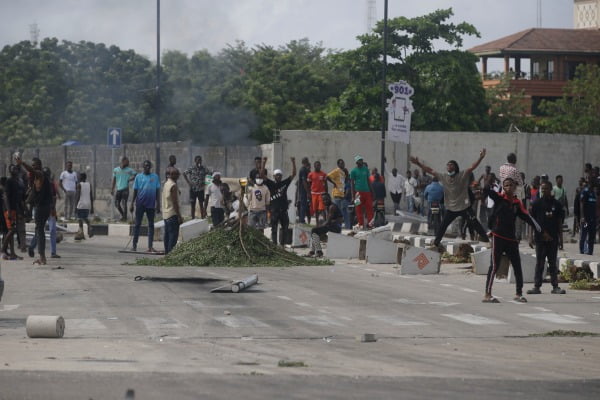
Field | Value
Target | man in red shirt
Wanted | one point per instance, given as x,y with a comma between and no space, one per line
317,180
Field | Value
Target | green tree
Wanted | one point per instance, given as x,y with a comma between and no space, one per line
448,90
578,111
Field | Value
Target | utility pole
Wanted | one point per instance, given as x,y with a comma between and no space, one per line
384,86
157,138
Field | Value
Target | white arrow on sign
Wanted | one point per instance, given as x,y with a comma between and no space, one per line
115,136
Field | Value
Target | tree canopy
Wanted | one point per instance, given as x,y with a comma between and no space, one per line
56,91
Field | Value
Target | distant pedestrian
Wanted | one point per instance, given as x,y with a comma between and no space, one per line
259,199
41,198
362,192
560,194
338,177
68,183
317,180
195,176
279,202
303,198
122,175
172,164
146,198
85,204
587,200
171,211
10,198
549,214
215,198
395,184
410,186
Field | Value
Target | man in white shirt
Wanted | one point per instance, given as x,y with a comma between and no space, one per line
68,183
395,184
410,184
214,197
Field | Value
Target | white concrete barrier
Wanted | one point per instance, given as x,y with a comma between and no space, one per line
192,229
595,267
118,230
342,246
419,261
481,261
381,251
301,235
528,262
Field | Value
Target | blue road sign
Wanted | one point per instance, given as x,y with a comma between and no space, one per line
114,137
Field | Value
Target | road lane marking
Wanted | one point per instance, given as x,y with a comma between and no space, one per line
320,320
198,305
153,324
241,322
464,289
84,324
397,321
542,309
446,284
284,298
556,318
472,319
303,304
443,303
9,307
370,270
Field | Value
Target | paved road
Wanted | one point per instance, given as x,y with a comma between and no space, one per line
167,337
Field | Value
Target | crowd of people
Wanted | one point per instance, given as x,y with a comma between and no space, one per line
356,198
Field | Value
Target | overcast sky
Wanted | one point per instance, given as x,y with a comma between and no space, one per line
191,25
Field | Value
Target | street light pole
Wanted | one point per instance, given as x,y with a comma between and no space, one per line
157,138
384,86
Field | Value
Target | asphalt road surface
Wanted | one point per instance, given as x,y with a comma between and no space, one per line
294,335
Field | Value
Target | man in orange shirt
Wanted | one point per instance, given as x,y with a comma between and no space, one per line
317,180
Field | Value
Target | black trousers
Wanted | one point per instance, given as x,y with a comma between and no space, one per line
511,248
543,251
42,213
279,217
467,214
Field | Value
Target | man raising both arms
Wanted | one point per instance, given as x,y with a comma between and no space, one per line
456,196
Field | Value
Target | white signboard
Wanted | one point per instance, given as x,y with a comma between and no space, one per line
399,112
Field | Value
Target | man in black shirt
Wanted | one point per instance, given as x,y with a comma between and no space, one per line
332,223
42,202
12,199
279,201
549,213
256,171
303,190
587,198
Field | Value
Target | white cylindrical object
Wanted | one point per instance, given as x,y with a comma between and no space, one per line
45,326
244,283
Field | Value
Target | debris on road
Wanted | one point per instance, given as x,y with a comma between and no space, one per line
237,286
45,326
367,338
236,245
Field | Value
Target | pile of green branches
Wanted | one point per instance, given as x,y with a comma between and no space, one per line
231,246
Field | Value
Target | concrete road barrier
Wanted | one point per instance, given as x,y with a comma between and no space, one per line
45,326
481,261
192,229
381,251
528,262
419,261
342,246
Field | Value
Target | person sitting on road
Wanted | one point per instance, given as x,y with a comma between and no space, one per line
332,223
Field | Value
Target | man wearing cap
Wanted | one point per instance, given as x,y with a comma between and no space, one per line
361,191
279,201
214,193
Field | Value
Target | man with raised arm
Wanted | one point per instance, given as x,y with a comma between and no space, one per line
456,196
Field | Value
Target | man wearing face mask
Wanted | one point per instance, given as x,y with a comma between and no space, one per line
456,196
259,199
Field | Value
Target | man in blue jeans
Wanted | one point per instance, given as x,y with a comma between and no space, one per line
146,197
171,212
